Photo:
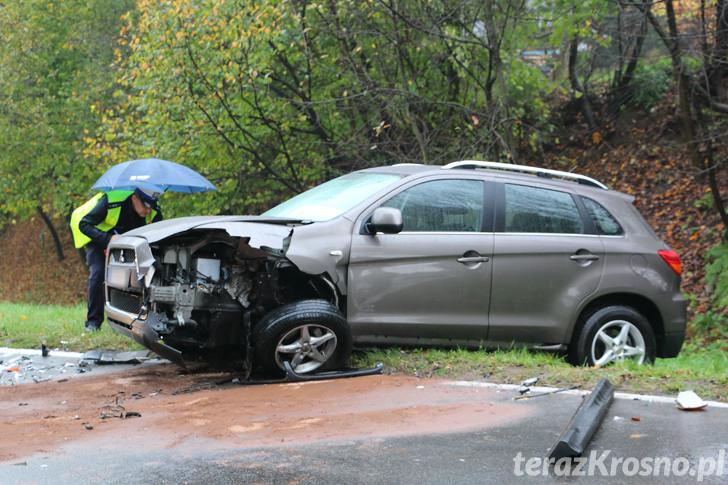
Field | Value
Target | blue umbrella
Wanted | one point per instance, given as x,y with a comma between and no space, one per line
154,174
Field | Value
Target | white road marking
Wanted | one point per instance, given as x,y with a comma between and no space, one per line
577,392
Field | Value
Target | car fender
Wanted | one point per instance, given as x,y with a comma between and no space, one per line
322,248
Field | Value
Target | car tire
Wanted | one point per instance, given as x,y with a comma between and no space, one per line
614,333
312,335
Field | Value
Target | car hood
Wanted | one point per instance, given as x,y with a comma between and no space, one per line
316,248
262,231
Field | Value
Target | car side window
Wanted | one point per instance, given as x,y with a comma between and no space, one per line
606,223
441,206
533,209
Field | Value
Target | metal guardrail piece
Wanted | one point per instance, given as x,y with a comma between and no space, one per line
542,172
575,438
292,376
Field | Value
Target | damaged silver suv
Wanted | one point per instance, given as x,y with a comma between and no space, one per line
470,254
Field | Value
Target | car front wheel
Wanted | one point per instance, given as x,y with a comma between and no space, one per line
613,334
312,335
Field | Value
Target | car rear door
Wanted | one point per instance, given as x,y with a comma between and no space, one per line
432,280
545,263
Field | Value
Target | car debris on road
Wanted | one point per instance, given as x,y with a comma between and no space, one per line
524,394
106,357
27,366
690,401
585,422
526,385
117,411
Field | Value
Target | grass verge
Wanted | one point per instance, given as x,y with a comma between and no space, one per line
25,325
700,367
703,369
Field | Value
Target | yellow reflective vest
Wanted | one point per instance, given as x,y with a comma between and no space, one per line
116,198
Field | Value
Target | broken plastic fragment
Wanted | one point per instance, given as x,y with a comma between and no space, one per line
689,401
530,382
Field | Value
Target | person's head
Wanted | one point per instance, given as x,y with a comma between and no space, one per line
144,200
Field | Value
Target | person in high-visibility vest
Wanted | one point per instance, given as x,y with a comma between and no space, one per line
95,223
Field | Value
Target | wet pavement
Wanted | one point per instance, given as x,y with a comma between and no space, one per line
26,366
380,429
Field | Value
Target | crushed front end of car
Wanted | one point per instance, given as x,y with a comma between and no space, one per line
193,287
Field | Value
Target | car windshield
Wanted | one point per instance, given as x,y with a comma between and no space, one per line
333,198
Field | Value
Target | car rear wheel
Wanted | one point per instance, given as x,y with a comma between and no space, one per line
614,334
312,335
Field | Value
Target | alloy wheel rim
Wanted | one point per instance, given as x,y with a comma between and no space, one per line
306,347
617,341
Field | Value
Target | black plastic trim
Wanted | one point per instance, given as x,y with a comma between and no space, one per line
670,345
575,438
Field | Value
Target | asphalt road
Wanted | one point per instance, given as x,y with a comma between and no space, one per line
487,454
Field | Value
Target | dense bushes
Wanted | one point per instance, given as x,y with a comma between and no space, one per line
716,275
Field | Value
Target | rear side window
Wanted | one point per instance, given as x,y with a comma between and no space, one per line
605,222
533,209
441,206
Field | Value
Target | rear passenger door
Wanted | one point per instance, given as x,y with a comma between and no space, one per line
545,263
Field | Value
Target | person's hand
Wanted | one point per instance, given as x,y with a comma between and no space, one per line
113,237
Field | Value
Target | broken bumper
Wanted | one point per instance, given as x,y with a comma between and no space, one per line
141,331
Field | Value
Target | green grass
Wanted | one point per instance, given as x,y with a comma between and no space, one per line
25,325
701,367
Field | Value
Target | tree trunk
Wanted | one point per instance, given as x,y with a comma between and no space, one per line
54,234
719,62
717,199
576,86
494,38
672,43
683,83
623,79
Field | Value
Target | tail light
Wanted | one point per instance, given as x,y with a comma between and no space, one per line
672,259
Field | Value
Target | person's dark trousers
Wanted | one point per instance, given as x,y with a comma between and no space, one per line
95,261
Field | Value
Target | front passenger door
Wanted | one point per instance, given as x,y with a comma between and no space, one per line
432,280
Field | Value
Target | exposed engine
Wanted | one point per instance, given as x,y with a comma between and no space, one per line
201,288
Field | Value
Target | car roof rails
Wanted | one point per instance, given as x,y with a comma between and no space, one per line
541,172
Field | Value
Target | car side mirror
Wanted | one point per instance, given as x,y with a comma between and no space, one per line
387,220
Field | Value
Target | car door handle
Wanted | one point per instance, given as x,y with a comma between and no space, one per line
473,259
583,257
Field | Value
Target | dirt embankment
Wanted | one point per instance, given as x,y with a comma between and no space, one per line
176,408
30,270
